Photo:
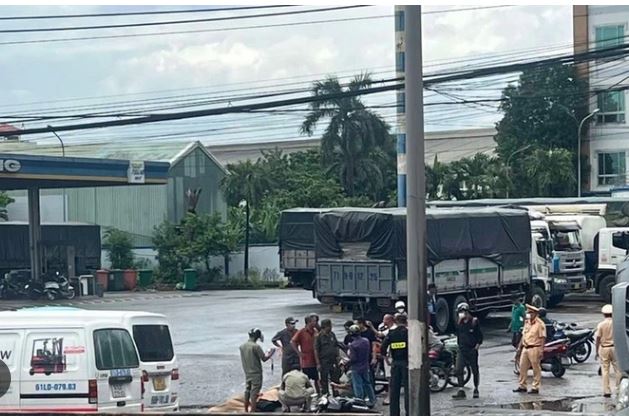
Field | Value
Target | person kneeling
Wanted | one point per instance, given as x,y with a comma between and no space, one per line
296,390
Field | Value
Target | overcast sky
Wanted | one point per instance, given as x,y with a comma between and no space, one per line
212,62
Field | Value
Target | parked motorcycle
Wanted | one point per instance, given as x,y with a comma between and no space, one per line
328,404
15,284
58,287
444,362
554,351
581,340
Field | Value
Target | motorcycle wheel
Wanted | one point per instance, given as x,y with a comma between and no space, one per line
582,352
70,294
453,380
557,368
438,378
50,296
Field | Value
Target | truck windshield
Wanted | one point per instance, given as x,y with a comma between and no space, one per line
566,240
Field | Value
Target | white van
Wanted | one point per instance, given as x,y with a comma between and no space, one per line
158,362
68,361
151,336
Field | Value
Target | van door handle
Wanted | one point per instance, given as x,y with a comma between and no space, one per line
120,379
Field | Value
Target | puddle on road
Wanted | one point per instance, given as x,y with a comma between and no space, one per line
573,404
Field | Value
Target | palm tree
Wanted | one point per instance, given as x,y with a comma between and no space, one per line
552,171
246,181
350,142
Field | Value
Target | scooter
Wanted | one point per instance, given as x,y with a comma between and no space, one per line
445,358
581,340
58,288
554,351
328,404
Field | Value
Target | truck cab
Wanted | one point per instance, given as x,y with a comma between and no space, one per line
620,301
541,254
611,245
568,260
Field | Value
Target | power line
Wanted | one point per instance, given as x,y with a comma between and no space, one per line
140,13
177,22
620,50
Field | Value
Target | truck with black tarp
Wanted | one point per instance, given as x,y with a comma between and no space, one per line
60,242
296,245
475,255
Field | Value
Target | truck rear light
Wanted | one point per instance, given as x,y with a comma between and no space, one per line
175,374
92,392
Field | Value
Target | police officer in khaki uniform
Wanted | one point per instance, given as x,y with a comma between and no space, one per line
532,350
605,349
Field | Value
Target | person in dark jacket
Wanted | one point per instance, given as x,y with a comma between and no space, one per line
359,364
397,343
327,355
290,358
470,338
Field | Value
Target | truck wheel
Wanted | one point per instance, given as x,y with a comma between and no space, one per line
442,315
605,287
537,297
555,300
457,301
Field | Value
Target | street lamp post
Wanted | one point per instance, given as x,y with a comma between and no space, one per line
586,118
245,204
63,153
521,149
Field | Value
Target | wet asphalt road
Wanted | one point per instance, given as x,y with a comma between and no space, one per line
208,327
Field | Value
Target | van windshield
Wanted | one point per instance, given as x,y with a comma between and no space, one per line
153,342
114,349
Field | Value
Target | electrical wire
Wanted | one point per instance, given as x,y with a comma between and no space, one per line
177,22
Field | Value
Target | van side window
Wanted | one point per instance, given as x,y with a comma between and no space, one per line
114,349
154,343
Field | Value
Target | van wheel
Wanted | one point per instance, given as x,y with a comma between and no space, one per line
605,287
442,315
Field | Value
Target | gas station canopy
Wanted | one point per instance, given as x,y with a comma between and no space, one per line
18,171
34,172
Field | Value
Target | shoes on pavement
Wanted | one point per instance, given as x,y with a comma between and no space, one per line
534,391
476,395
460,395
607,396
519,390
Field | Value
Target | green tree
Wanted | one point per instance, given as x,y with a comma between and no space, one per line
551,171
355,140
119,249
5,200
246,181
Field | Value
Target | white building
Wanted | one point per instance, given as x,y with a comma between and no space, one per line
607,141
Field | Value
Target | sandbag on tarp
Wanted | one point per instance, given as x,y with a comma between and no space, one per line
500,234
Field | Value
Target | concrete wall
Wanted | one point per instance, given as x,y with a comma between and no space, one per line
265,259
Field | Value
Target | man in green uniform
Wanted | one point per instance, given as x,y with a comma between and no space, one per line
252,356
518,316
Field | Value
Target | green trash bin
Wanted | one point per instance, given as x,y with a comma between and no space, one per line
189,279
116,280
145,277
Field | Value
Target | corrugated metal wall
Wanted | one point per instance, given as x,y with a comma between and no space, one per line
134,209
195,171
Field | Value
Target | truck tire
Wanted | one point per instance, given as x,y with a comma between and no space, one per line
537,297
555,300
442,315
455,304
605,287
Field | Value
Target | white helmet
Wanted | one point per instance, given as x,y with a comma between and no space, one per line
607,309
400,305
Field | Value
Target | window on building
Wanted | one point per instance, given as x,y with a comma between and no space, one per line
609,36
399,20
611,168
612,107
401,102
399,61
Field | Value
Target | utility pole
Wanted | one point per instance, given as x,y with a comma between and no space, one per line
418,365
63,153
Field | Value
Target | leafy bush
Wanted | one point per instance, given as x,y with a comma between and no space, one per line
119,249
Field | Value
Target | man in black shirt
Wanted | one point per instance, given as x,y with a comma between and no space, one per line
397,342
470,338
368,332
290,357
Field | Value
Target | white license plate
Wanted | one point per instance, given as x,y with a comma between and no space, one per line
117,391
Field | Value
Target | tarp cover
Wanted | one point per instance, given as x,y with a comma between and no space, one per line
297,228
500,234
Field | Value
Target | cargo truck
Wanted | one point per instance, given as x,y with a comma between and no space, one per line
477,255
